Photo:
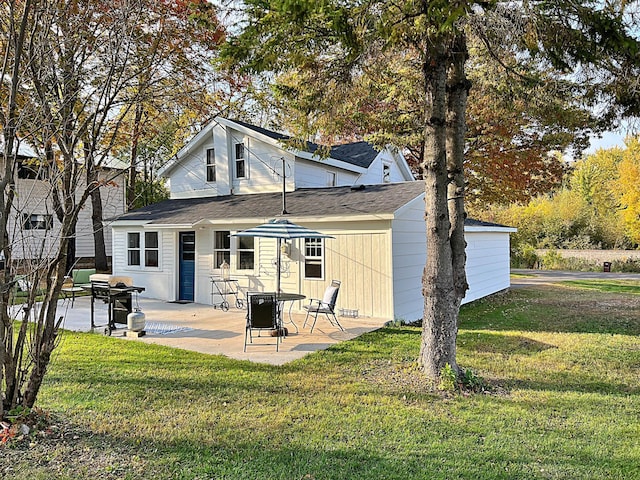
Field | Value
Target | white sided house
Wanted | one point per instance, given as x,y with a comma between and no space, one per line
34,227
229,179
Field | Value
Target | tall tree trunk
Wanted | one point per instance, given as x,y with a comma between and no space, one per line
438,345
100,255
9,123
458,89
135,137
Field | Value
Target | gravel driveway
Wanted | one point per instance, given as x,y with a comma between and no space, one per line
537,277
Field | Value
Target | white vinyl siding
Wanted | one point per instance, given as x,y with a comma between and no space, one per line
158,282
488,264
34,197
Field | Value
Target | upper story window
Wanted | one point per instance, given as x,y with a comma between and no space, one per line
221,248
331,179
386,173
314,258
211,164
33,169
241,166
37,222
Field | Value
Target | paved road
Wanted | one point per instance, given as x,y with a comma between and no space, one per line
536,277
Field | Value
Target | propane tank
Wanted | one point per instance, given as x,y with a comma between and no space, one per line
136,321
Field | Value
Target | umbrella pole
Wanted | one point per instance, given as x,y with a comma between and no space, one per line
278,266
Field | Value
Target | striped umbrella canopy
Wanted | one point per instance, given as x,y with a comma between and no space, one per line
280,229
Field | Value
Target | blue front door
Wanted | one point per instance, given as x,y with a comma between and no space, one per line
187,265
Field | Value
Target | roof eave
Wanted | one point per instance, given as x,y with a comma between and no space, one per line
330,161
489,228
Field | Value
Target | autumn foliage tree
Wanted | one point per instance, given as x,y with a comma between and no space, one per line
629,188
323,49
76,69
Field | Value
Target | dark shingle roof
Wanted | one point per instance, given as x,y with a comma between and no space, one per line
360,154
312,202
305,202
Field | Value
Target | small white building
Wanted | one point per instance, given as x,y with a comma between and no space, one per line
229,178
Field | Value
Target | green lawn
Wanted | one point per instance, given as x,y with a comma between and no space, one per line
564,362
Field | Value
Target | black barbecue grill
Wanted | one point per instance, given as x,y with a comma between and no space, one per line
117,293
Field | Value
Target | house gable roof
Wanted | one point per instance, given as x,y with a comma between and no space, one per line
356,155
359,154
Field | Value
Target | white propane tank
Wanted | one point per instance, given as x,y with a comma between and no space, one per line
136,321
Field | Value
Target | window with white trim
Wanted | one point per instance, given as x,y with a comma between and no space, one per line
133,249
331,179
245,253
143,249
151,249
211,164
386,172
241,166
37,222
314,258
221,248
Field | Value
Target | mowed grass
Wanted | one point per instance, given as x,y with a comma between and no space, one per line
563,362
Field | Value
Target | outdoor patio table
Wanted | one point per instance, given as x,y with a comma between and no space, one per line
289,297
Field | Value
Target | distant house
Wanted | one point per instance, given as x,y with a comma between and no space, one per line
34,227
229,178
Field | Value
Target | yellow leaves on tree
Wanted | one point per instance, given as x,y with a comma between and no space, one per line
629,169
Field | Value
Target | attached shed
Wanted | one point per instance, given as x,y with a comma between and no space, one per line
378,250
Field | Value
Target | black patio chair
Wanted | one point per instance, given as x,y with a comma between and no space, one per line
262,315
327,306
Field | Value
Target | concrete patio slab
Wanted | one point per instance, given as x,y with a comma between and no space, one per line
204,329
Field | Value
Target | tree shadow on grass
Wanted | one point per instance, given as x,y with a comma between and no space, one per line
482,342
341,456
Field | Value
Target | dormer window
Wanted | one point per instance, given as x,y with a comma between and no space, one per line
386,173
211,164
241,171
331,179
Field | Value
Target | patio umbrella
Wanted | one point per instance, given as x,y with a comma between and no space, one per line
280,229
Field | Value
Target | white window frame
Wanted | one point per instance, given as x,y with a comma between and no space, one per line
135,248
148,249
242,159
37,221
210,163
221,249
313,245
239,250
386,172
332,178
142,250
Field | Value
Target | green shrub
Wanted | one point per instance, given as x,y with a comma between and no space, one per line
628,265
552,260
524,256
